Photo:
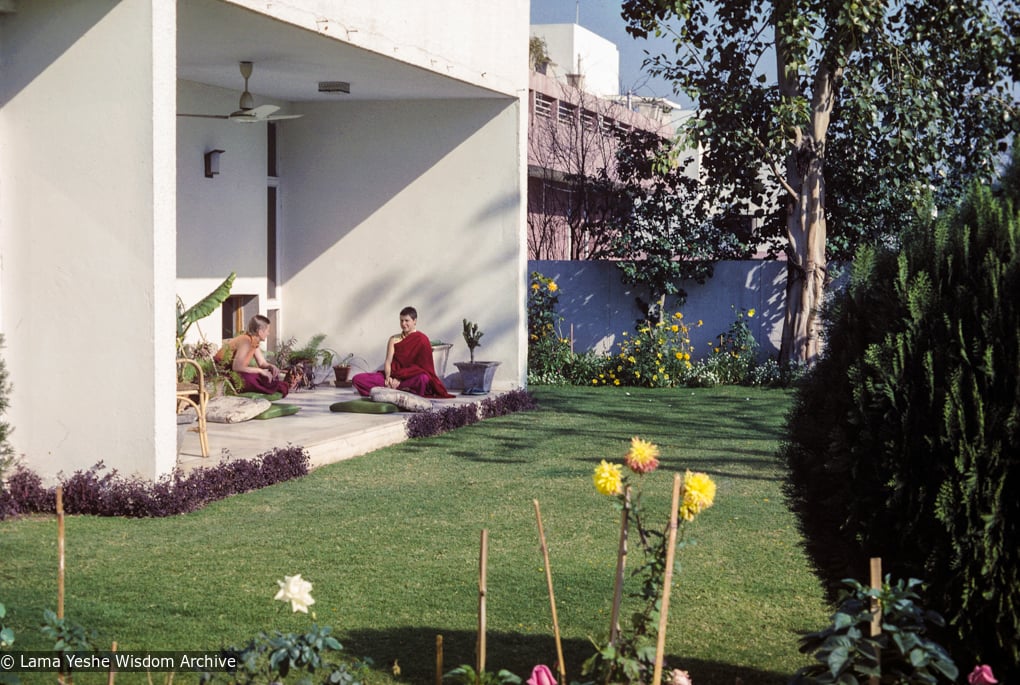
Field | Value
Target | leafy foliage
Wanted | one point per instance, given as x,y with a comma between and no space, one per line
425,424
92,491
661,232
901,653
466,675
186,316
271,658
873,105
472,336
903,440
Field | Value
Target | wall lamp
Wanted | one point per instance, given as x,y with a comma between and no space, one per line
212,162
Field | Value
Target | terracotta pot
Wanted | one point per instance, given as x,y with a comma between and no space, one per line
342,372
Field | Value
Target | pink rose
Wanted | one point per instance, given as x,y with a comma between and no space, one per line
982,675
541,675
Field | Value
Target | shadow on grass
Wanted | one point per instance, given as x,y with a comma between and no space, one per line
414,648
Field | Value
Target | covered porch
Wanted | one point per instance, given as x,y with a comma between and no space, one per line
328,436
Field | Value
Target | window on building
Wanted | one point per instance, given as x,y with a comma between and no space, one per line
567,112
589,119
543,105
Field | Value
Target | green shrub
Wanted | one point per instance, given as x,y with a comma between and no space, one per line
901,653
903,440
548,351
655,356
735,352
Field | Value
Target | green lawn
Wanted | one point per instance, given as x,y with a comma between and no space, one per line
390,541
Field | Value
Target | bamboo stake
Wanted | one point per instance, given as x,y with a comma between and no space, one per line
482,571
876,610
667,581
621,564
60,551
439,660
112,674
552,599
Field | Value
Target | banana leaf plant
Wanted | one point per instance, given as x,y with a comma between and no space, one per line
201,309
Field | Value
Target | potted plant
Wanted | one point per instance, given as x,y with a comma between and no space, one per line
342,371
306,366
475,376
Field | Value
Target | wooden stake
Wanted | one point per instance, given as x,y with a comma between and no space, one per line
439,660
482,571
112,673
621,565
667,581
60,551
876,609
552,599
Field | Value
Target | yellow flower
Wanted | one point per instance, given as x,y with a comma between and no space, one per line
616,382
699,493
594,381
553,287
679,355
750,312
674,328
534,286
642,457
631,359
678,315
700,322
608,478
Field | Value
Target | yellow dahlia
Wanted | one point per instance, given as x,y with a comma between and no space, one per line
608,478
699,492
643,456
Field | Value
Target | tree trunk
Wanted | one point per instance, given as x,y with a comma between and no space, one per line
806,275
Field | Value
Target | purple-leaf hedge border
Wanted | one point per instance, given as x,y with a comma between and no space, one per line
428,423
100,493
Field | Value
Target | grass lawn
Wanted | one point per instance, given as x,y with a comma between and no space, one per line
390,541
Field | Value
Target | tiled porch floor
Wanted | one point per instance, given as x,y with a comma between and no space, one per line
328,436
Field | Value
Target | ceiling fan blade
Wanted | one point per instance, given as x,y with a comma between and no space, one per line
278,117
203,116
260,112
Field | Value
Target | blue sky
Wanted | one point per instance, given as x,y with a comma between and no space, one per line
603,18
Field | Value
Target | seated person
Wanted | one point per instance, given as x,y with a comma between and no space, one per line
408,364
263,377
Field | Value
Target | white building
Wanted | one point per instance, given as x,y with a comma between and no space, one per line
406,190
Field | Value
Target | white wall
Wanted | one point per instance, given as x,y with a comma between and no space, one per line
221,221
600,307
86,225
390,204
572,48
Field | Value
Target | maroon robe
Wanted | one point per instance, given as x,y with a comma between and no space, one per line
412,365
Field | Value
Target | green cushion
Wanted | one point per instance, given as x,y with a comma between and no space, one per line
364,406
260,396
279,409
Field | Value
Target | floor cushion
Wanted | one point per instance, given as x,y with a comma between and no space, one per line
278,409
364,406
234,409
405,400
261,396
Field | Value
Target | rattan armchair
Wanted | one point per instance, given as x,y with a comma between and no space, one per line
194,394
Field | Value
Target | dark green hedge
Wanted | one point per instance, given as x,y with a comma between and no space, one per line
904,442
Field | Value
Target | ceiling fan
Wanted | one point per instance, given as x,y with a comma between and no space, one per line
247,112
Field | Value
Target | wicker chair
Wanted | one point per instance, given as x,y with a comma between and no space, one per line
194,394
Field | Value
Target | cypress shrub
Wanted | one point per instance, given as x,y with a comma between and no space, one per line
904,441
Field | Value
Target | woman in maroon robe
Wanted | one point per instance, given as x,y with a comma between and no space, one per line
408,364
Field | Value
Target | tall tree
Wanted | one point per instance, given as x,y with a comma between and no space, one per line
874,107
